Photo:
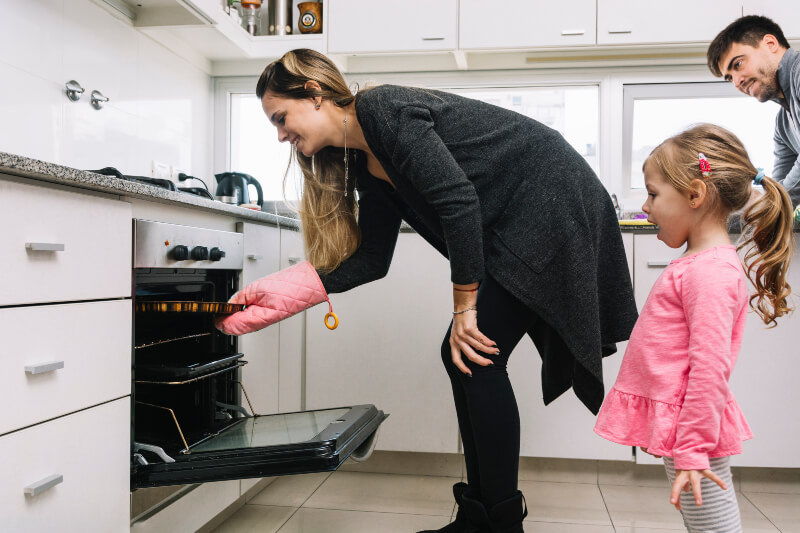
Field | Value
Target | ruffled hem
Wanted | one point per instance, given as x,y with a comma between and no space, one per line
638,421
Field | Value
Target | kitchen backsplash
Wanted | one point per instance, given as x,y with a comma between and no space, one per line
159,106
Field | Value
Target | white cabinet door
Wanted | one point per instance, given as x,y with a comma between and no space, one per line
414,25
260,349
765,385
292,333
655,21
386,351
782,12
83,458
525,23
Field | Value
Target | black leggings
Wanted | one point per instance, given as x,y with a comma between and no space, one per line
488,417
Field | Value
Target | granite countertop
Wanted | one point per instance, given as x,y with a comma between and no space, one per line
27,167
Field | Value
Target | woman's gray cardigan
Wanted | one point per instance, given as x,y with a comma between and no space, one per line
498,192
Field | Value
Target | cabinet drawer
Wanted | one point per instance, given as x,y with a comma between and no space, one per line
90,450
76,355
62,246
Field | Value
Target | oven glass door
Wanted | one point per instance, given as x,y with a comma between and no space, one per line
269,445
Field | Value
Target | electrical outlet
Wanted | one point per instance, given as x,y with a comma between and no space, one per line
173,173
160,171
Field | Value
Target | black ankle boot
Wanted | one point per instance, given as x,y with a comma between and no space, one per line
504,517
457,525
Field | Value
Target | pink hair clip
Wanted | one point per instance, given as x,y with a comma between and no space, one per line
705,168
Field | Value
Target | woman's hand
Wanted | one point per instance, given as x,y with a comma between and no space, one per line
690,480
465,337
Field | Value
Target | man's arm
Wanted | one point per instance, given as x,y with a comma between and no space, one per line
786,169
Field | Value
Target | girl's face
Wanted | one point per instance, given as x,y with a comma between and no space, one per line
298,121
667,207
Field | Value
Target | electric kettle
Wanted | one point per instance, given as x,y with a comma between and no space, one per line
233,188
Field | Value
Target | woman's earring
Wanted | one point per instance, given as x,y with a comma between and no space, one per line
692,204
316,105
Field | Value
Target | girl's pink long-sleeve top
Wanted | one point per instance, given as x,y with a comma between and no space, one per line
672,395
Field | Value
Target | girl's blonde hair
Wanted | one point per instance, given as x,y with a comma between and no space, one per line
328,216
767,221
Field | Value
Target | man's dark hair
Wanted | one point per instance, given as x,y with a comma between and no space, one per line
747,30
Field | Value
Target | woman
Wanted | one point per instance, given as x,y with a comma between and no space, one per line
529,230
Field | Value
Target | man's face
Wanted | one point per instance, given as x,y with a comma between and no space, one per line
753,70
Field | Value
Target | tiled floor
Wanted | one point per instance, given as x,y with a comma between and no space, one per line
592,497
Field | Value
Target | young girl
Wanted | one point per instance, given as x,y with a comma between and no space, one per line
672,396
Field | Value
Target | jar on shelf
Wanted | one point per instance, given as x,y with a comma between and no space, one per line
280,17
310,19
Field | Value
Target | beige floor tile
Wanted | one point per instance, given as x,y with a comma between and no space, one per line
753,520
780,480
572,503
636,529
628,473
308,520
419,464
641,507
557,470
386,493
256,518
783,510
290,491
556,527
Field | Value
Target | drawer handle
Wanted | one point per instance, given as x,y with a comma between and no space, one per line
573,32
293,260
44,246
619,32
255,257
433,38
41,368
34,489
658,264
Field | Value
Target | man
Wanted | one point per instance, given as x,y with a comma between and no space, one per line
753,54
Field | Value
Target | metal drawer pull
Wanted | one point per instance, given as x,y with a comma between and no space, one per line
34,489
619,32
573,32
41,368
658,264
433,38
255,257
293,260
44,246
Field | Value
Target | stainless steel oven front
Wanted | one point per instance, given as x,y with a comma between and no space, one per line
190,420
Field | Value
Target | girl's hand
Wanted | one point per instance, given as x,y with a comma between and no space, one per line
690,480
465,337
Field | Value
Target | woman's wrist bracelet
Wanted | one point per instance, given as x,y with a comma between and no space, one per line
470,308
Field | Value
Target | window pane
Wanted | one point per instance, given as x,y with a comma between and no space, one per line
572,111
655,119
255,149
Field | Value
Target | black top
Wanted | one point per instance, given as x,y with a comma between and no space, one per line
497,192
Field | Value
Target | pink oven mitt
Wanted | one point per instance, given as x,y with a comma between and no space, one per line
275,297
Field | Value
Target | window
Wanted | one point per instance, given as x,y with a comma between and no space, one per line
654,112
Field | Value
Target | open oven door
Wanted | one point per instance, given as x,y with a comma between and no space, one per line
265,445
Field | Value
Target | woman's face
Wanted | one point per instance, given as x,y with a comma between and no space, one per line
667,207
298,122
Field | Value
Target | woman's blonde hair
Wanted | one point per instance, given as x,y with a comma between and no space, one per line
767,232
328,216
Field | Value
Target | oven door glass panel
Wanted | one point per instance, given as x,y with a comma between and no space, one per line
268,445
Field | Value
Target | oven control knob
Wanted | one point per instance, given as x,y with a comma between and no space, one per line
216,254
180,253
200,253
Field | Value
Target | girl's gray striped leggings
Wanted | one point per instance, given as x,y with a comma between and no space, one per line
720,511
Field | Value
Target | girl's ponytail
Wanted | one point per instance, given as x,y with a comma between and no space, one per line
768,225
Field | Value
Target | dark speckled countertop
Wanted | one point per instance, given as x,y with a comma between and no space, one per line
27,167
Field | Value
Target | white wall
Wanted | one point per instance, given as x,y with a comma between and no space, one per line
159,109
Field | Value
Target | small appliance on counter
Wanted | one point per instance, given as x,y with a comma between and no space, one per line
233,188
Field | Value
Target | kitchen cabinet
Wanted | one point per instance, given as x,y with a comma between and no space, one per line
762,380
365,26
655,22
386,351
292,334
782,12
526,24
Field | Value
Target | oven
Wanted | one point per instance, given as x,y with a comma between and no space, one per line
191,421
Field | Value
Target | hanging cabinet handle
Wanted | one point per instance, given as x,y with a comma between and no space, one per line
657,264
254,257
293,260
44,246
73,90
34,489
42,368
433,38
573,32
619,32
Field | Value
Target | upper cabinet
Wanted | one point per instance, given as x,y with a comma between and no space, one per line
658,22
525,24
364,26
781,11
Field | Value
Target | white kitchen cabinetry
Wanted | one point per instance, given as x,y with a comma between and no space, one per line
292,333
782,12
763,379
652,21
386,351
526,24
70,474
411,26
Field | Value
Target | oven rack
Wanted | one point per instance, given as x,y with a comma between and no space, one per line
234,366
172,339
